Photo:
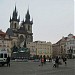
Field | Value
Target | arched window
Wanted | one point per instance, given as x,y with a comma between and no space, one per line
21,38
15,25
28,27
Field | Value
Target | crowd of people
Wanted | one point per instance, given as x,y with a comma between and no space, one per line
56,61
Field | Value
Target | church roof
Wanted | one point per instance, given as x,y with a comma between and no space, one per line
2,33
22,30
10,32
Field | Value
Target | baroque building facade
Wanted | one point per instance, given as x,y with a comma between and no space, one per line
21,33
40,48
70,46
65,47
59,47
5,42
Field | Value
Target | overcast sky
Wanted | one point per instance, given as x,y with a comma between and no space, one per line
52,19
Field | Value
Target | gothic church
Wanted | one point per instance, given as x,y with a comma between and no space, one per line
21,33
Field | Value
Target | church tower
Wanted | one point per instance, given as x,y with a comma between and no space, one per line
14,21
27,25
20,33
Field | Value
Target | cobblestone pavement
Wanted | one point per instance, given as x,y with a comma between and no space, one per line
33,68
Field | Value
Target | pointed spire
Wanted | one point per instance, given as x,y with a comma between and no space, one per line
27,18
10,18
19,18
14,15
28,11
28,15
15,8
32,21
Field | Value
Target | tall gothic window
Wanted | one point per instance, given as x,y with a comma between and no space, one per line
15,25
21,38
28,27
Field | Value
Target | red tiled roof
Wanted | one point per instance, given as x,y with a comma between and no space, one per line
58,41
74,37
65,38
61,40
2,33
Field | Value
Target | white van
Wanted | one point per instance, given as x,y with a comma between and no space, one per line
3,57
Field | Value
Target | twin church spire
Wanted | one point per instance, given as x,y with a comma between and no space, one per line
27,15
16,18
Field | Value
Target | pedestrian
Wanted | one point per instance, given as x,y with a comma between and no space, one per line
57,61
54,64
49,59
8,61
42,61
65,60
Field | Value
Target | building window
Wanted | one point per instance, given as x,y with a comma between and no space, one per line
21,38
5,55
1,55
15,25
28,27
74,51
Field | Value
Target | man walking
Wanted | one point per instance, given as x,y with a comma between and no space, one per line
57,61
8,61
65,60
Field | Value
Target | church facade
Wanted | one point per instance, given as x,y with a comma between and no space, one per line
21,33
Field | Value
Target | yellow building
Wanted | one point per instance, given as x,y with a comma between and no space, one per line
40,48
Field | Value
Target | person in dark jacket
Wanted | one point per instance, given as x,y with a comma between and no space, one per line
44,59
65,60
8,61
57,61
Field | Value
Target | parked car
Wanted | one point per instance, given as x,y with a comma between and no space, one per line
3,57
47,60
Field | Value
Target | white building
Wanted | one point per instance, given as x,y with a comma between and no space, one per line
5,42
40,48
70,45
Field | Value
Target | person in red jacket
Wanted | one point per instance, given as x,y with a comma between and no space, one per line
42,61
